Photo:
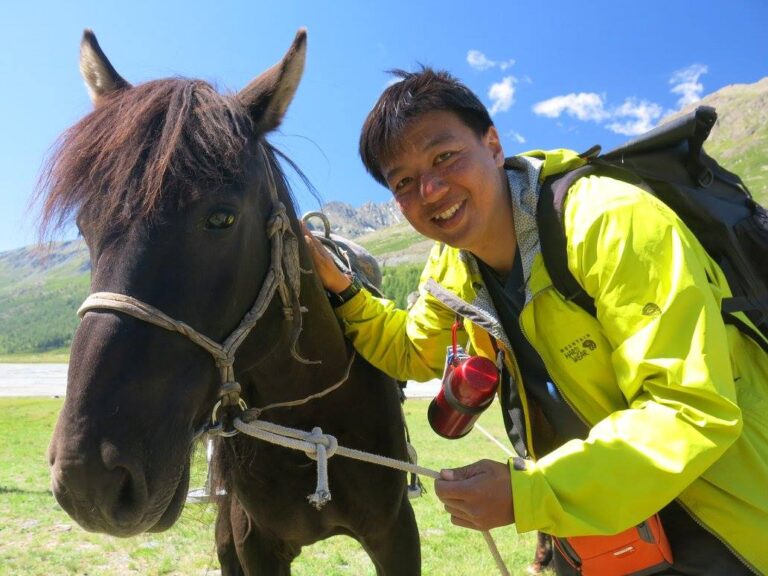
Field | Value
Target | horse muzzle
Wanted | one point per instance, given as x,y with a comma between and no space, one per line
109,493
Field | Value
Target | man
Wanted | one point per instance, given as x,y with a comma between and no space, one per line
653,405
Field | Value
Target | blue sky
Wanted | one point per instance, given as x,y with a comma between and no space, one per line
554,74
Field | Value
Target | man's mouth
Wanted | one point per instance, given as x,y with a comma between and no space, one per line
449,213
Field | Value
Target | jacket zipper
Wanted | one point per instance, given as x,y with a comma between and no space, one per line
717,536
517,380
551,378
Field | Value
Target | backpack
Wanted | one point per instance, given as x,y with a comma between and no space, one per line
669,161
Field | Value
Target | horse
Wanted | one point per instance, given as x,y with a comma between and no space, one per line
194,241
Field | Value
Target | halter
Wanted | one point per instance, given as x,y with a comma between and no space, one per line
283,276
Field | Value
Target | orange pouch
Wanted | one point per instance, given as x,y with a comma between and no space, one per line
641,550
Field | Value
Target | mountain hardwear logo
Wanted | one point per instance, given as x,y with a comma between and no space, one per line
579,348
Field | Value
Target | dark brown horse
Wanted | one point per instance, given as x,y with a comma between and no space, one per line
194,242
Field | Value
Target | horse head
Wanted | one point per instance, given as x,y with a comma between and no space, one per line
182,203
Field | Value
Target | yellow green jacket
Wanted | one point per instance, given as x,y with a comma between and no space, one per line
677,401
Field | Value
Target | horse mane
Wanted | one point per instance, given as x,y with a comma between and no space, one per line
144,149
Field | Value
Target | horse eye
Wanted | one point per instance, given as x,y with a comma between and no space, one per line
220,220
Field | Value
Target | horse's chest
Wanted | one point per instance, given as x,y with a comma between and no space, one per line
274,492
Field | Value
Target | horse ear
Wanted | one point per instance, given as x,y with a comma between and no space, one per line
268,96
100,76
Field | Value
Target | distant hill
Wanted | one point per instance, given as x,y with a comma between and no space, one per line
354,222
41,288
739,140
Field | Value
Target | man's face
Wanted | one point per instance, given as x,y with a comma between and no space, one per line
447,182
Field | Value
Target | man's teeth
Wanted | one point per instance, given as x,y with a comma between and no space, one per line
448,213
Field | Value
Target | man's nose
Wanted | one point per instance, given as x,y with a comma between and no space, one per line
432,186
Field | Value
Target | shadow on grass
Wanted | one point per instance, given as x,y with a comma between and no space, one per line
14,490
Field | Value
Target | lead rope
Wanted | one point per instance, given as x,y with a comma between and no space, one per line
321,447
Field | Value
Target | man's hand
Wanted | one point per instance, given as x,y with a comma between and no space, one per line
477,496
333,279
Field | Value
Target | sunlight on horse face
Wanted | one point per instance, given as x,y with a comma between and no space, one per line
167,180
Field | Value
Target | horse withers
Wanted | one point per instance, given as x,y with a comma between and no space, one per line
201,296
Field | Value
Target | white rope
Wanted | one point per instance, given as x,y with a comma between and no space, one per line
493,439
320,447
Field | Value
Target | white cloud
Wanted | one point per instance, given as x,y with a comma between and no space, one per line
502,94
584,106
631,118
686,83
517,137
480,61
641,113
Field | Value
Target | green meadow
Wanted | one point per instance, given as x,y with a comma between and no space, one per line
38,538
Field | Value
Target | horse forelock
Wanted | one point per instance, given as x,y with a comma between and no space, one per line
155,146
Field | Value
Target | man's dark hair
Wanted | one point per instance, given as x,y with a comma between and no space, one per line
416,94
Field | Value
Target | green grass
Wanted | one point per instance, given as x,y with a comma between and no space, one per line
38,538
57,356
392,239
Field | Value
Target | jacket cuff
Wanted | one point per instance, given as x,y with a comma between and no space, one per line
525,479
352,306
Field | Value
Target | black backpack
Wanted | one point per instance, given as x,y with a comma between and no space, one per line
714,203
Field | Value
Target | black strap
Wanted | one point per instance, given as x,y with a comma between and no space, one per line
549,219
746,329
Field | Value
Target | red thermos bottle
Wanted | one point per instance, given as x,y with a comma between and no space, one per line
468,387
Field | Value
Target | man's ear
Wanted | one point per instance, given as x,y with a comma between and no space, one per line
493,142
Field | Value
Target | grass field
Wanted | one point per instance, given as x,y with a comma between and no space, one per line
38,538
58,356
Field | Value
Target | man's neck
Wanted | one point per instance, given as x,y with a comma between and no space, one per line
499,252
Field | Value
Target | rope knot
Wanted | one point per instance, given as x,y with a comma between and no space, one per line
229,393
325,444
325,447
278,221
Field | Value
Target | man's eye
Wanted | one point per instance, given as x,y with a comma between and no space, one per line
442,157
220,220
402,184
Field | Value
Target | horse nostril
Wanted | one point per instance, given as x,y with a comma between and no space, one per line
105,493
125,495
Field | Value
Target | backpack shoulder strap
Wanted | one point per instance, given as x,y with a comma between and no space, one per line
549,220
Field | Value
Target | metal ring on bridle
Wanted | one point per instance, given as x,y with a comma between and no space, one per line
215,423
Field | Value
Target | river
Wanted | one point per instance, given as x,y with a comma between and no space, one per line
33,379
51,380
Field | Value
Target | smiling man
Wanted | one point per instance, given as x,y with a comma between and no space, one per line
652,405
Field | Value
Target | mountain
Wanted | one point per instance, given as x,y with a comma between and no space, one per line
739,139
353,222
41,288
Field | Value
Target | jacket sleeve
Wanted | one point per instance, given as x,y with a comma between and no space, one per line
657,299
405,345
